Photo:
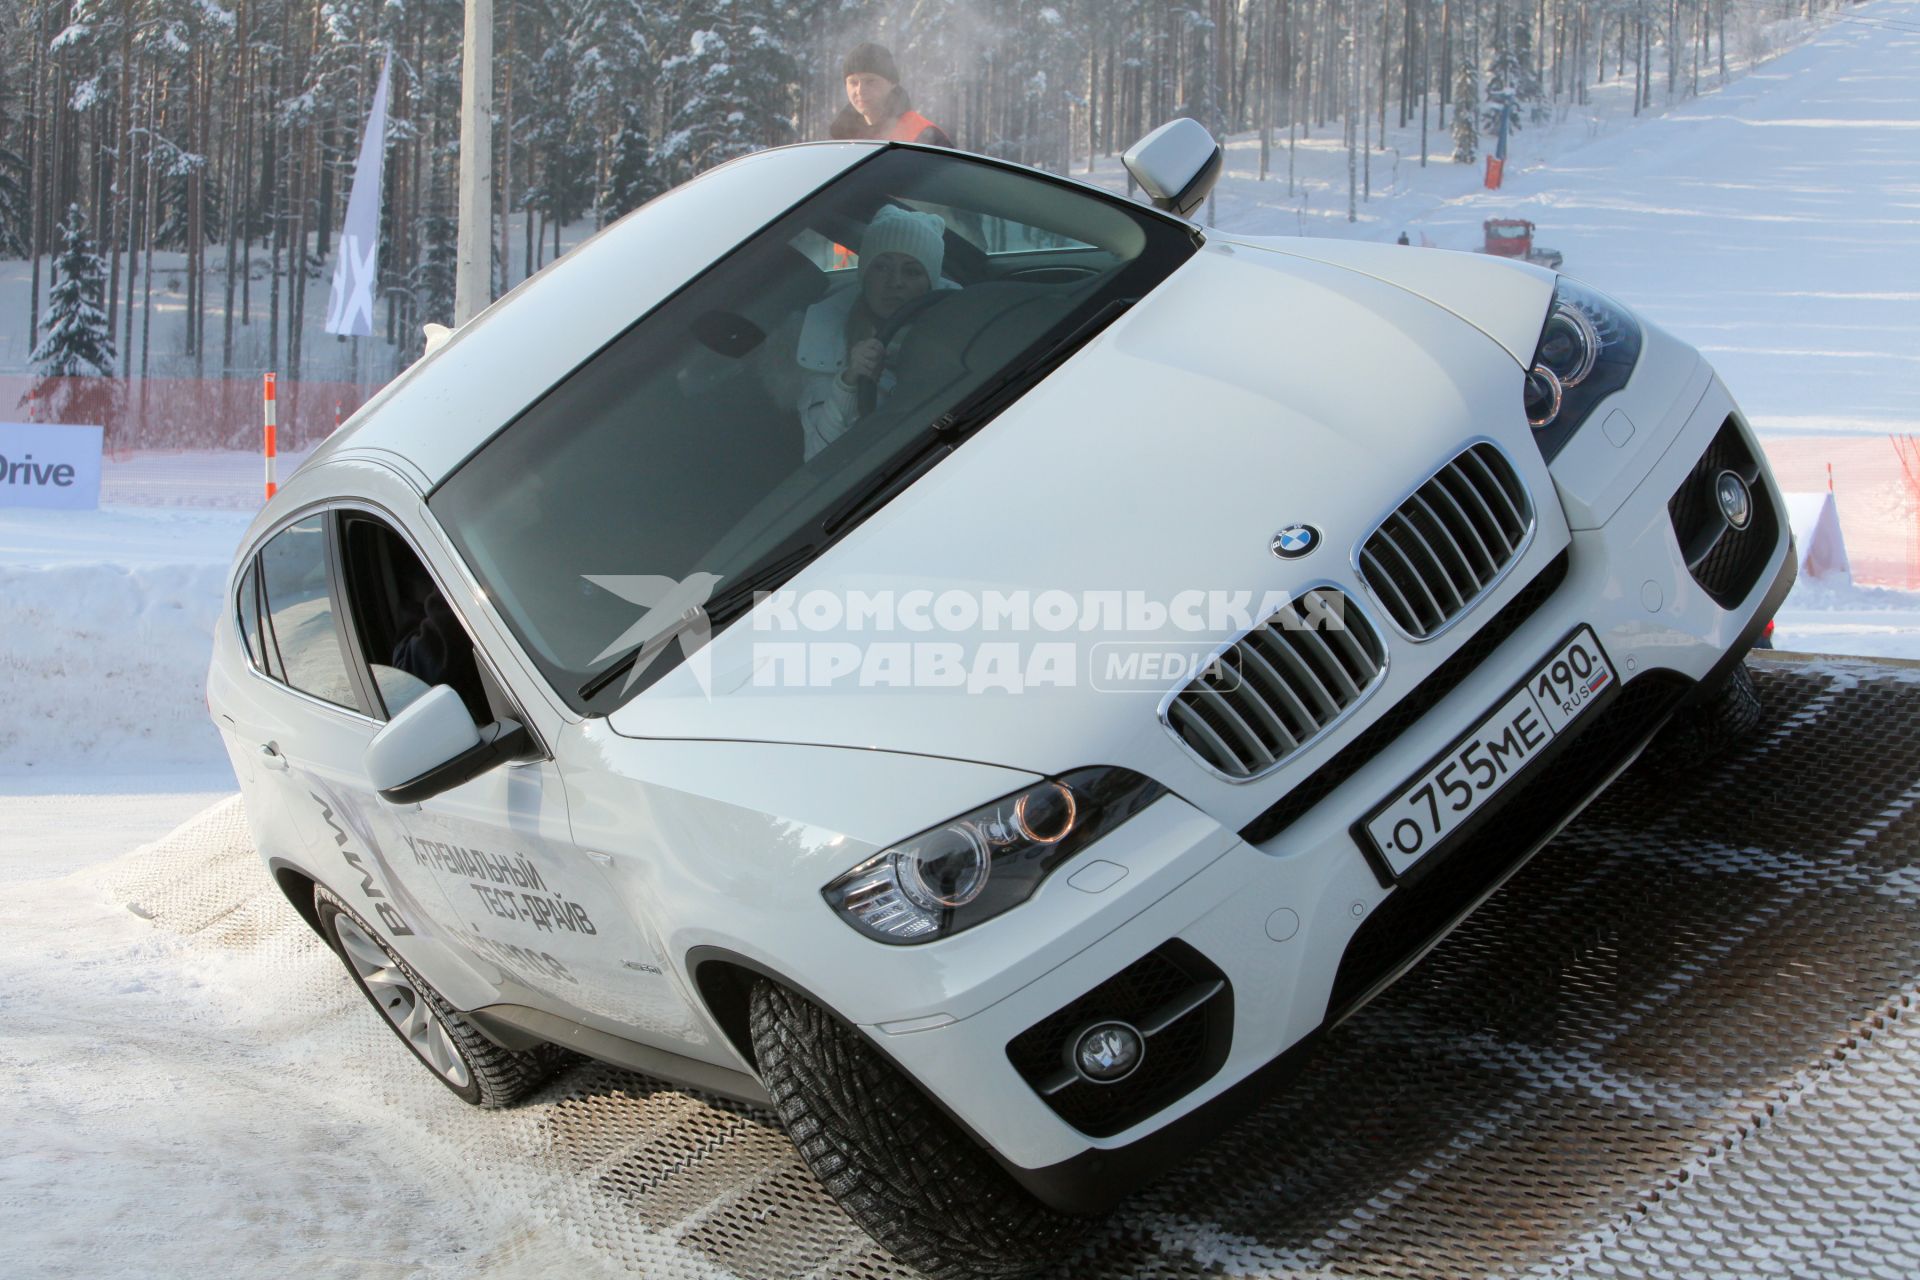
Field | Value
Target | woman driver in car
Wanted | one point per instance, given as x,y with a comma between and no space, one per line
900,259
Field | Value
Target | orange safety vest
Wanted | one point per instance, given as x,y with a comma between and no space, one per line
909,126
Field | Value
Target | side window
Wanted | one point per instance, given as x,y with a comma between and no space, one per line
298,637
408,632
248,614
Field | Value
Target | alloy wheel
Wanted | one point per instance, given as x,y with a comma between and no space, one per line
393,990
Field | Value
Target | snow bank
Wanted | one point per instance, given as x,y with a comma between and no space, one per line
103,663
106,624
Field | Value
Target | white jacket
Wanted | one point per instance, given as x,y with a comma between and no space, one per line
828,406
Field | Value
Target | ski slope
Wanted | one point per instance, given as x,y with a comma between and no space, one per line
1773,223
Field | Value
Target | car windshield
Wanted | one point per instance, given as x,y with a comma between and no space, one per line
750,420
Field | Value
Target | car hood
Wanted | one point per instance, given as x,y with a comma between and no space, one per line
1504,298
1251,391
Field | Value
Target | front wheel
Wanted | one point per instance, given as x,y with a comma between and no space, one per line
460,1056
901,1169
1721,720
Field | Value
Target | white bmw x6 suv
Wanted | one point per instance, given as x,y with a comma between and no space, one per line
985,668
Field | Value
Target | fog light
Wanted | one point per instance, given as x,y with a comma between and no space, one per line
1107,1052
1736,500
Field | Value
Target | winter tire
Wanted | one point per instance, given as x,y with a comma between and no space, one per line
1705,731
447,1044
899,1167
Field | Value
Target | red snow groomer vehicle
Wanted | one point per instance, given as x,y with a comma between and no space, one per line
1513,238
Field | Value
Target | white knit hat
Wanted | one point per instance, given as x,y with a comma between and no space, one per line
921,236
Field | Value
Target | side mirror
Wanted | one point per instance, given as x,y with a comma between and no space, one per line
1176,165
433,747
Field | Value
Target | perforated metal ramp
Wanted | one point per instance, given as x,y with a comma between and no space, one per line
1682,1042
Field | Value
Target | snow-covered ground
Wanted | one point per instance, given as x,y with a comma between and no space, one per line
171,1114
1775,222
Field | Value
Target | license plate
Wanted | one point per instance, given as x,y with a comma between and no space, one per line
1474,769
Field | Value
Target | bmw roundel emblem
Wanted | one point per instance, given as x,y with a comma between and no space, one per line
1295,541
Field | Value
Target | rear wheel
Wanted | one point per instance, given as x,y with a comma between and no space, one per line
452,1048
900,1168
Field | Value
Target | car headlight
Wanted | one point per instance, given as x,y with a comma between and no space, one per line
1587,351
988,860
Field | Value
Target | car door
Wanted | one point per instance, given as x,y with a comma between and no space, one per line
492,861
303,719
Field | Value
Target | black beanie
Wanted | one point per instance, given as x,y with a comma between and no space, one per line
874,58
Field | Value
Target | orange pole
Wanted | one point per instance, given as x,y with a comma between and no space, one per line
272,444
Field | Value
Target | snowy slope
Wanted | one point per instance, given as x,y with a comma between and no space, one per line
105,626
1774,223
215,1100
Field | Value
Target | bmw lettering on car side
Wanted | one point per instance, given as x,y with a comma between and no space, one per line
722,657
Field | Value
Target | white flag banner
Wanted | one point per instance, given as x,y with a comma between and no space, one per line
350,309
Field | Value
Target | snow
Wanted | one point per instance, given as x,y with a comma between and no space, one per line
1766,222
107,620
163,1096
1759,221
1836,617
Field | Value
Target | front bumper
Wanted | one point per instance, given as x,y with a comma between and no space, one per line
1301,926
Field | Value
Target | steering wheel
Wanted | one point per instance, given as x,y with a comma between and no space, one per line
887,329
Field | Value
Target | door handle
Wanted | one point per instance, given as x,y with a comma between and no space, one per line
271,757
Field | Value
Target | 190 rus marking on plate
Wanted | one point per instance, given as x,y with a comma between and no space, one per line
1479,764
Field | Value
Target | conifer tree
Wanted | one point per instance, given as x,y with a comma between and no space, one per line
732,87
632,179
1466,105
431,280
1528,91
73,334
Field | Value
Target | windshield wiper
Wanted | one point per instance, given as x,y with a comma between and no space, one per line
652,644
909,466
743,587
928,447
715,612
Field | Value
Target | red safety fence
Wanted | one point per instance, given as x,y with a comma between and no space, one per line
181,413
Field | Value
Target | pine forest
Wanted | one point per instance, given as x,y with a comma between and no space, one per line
213,141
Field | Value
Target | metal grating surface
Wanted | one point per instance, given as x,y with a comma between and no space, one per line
1683,1042
1280,686
1448,542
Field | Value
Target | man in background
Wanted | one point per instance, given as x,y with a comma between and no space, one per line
877,107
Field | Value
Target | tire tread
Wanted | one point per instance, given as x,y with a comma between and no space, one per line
902,1170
